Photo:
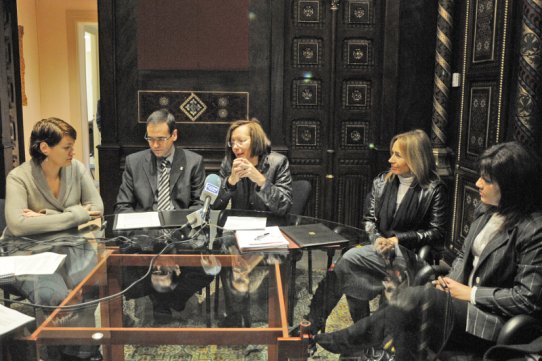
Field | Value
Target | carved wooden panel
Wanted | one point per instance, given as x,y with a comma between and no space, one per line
307,52
468,199
354,135
195,106
306,134
359,13
485,22
484,91
12,145
358,53
308,13
307,93
481,121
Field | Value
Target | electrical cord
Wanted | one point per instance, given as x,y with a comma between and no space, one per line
82,305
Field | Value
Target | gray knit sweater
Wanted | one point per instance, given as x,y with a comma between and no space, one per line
26,187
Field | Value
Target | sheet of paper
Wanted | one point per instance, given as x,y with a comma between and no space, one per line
36,264
137,220
234,223
11,319
268,238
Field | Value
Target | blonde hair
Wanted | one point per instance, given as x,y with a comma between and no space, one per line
418,154
259,142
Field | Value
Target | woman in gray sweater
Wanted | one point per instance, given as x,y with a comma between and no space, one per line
52,191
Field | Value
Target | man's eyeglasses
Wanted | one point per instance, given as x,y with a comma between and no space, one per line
156,139
238,143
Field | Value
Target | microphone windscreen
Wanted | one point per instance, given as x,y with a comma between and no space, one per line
211,187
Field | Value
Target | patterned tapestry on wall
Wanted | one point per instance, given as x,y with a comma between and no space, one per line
484,31
195,106
469,199
481,125
528,112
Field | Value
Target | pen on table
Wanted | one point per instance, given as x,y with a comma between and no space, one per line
262,236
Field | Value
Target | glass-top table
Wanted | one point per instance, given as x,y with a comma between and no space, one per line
118,281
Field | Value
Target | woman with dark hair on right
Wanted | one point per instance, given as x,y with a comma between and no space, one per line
498,273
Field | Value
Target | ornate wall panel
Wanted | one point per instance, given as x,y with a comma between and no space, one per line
358,53
307,93
354,135
356,94
308,13
195,106
12,144
481,122
359,13
468,199
485,21
307,52
486,68
306,134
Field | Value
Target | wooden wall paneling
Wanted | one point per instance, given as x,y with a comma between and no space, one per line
123,79
12,145
467,199
486,69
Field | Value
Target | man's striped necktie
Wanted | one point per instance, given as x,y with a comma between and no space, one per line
164,199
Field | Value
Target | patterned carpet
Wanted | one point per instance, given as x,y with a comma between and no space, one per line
338,319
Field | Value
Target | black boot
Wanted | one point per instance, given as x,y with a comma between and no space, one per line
358,308
368,331
327,295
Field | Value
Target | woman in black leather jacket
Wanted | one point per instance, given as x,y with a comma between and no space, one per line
406,210
253,177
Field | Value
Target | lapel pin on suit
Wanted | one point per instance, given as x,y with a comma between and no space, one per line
181,168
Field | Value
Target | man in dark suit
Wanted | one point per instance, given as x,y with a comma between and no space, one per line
140,180
163,178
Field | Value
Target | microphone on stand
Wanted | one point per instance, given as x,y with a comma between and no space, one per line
208,196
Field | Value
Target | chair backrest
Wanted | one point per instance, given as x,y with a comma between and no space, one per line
301,192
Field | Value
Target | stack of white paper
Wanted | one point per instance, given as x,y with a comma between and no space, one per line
36,264
234,223
263,239
11,319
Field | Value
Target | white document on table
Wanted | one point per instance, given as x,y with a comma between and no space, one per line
234,223
37,264
137,220
12,319
268,238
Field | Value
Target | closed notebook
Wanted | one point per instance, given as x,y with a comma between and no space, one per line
313,235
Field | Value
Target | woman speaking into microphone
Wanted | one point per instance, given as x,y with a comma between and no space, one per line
253,178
